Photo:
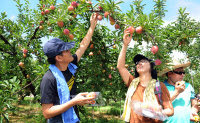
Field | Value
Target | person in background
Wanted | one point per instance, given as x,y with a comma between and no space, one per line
141,86
182,94
58,84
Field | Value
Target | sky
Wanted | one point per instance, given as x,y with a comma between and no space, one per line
192,7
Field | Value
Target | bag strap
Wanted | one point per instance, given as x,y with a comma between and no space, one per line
159,91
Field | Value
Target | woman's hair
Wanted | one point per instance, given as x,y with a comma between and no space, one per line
153,70
52,60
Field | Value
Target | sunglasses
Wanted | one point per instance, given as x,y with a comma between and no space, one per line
143,61
179,73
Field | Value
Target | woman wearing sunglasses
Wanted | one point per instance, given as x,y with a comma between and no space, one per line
181,94
141,88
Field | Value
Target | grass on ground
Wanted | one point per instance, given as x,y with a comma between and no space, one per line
31,112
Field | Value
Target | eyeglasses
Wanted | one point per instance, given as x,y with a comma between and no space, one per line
179,73
143,61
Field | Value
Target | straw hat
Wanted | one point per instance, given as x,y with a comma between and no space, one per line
175,64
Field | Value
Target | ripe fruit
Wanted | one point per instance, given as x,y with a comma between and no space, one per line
42,13
52,7
101,8
106,14
25,51
41,22
77,4
99,51
40,27
89,2
181,82
66,31
93,102
91,94
180,43
74,4
91,54
60,24
111,19
28,76
71,37
32,25
70,8
99,17
158,62
112,22
103,71
110,83
50,30
21,64
97,14
91,46
131,29
24,55
126,65
154,49
110,76
114,46
117,26
196,118
111,68
138,30
47,11
48,23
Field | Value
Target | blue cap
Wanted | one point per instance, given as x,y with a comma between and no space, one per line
55,45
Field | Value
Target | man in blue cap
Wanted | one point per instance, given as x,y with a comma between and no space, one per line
58,84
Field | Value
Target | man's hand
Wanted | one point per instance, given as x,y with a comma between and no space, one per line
198,104
192,116
179,87
126,37
86,40
81,99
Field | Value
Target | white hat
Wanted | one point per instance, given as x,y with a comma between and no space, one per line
175,64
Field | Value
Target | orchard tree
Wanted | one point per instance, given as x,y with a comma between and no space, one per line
23,62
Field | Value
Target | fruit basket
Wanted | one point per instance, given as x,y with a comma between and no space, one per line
148,110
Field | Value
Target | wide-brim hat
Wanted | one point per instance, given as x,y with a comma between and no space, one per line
55,45
174,65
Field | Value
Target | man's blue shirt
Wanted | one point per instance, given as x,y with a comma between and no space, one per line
182,104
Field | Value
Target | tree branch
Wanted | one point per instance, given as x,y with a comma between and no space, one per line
33,37
27,85
11,53
153,38
5,40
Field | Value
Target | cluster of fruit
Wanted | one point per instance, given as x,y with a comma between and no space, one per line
144,105
148,110
151,107
92,94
